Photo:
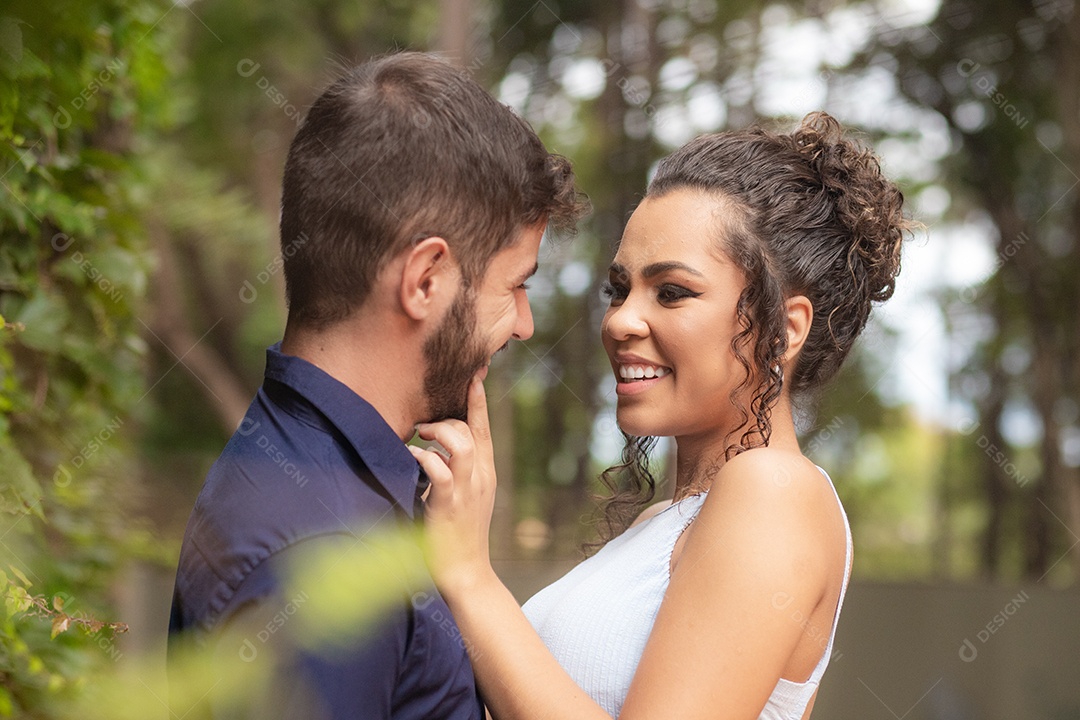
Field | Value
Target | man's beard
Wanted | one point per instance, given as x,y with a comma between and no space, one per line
454,354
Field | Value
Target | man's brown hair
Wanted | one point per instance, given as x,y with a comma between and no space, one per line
404,147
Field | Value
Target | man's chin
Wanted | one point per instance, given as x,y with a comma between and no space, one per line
458,410
463,416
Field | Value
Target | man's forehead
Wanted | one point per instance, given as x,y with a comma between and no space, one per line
522,254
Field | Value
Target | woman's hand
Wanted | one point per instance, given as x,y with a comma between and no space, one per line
517,675
462,496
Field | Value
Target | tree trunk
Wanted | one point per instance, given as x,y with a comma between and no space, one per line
455,19
501,413
169,327
995,485
1068,75
1040,515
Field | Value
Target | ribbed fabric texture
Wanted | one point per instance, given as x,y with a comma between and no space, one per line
597,618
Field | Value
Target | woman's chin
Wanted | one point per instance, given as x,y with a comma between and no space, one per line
635,422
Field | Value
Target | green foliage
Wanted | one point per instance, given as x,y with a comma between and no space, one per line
994,79
119,117
83,89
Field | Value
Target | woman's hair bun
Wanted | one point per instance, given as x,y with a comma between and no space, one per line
867,203
813,215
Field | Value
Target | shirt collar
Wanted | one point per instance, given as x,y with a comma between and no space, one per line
366,431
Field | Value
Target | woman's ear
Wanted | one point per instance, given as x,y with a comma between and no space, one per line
429,278
800,313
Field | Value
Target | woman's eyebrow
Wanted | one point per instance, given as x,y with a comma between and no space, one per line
617,270
661,267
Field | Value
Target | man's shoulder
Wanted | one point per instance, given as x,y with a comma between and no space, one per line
303,476
242,520
283,477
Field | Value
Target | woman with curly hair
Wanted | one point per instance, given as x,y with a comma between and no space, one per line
741,281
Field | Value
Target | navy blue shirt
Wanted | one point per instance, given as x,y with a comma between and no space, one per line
312,460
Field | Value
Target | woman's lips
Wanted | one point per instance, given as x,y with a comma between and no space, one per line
636,387
636,374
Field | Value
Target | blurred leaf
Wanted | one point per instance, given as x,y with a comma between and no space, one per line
19,574
59,624
18,600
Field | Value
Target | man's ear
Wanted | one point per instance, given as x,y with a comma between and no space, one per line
800,313
429,278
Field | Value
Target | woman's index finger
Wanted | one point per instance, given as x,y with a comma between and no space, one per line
478,420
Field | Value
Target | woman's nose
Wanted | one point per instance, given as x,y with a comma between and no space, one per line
625,321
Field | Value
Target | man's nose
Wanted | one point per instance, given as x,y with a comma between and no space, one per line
523,325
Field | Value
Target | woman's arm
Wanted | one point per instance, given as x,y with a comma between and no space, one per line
754,569
518,677
725,630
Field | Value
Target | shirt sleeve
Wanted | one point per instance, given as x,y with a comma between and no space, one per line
356,682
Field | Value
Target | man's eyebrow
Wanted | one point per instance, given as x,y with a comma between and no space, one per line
526,276
656,268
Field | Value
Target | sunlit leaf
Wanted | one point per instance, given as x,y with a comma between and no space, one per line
60,624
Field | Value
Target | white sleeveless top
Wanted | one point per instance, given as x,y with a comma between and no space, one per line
596,619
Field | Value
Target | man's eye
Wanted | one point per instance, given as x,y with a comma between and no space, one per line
523,286
668,293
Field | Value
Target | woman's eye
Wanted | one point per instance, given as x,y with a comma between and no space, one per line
673,293
613,293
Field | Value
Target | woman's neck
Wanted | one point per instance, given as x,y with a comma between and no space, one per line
699,458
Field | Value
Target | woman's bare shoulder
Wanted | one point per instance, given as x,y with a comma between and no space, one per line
772,495
771,469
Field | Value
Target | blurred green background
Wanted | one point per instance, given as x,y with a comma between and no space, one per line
140,282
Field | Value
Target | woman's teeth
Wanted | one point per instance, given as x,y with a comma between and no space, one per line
642,372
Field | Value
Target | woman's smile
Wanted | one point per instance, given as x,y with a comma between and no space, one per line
636,374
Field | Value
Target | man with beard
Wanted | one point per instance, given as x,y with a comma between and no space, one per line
412,211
